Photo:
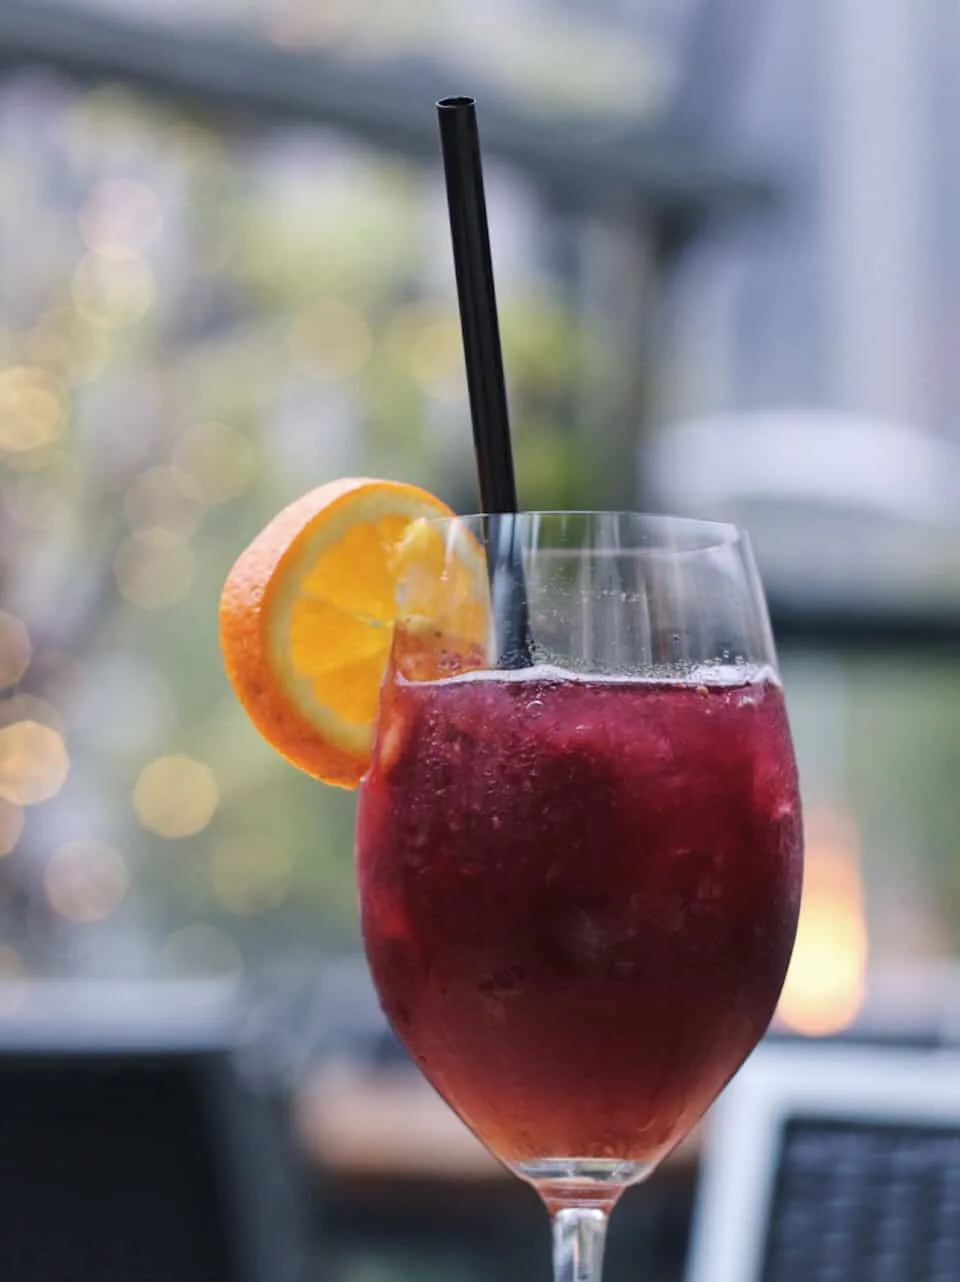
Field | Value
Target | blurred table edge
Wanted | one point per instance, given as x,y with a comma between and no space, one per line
364,1123
117,1015
360,1122
373,1124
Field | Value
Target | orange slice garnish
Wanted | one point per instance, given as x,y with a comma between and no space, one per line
308,613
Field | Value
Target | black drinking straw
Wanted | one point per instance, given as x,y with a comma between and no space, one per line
460,145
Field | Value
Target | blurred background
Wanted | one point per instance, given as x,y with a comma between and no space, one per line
729,281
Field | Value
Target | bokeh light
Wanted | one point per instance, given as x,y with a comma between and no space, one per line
86,881
32,409
825,986
154,576
425,342
112,292
163,505
33,763
330,339
249,877
176,796
11,826
220,460
120,218
15,649
202,951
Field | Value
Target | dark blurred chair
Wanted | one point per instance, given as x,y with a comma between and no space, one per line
131,1149
832,1163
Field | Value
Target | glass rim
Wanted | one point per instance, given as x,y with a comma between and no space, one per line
714,534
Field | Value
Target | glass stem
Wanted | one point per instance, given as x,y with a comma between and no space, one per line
579,1234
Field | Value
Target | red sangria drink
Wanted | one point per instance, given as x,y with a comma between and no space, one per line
579,889
579,899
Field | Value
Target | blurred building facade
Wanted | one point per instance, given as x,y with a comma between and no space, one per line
847,299
208,309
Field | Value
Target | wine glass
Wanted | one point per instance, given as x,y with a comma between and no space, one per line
580,868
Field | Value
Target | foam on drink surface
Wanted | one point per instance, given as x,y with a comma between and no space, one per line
711,675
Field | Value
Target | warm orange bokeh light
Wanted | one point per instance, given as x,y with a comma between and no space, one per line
32,409
33,763
85,881
825,986
176,796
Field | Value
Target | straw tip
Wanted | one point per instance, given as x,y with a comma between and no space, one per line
458,103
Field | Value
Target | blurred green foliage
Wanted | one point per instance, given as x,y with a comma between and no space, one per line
222,319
